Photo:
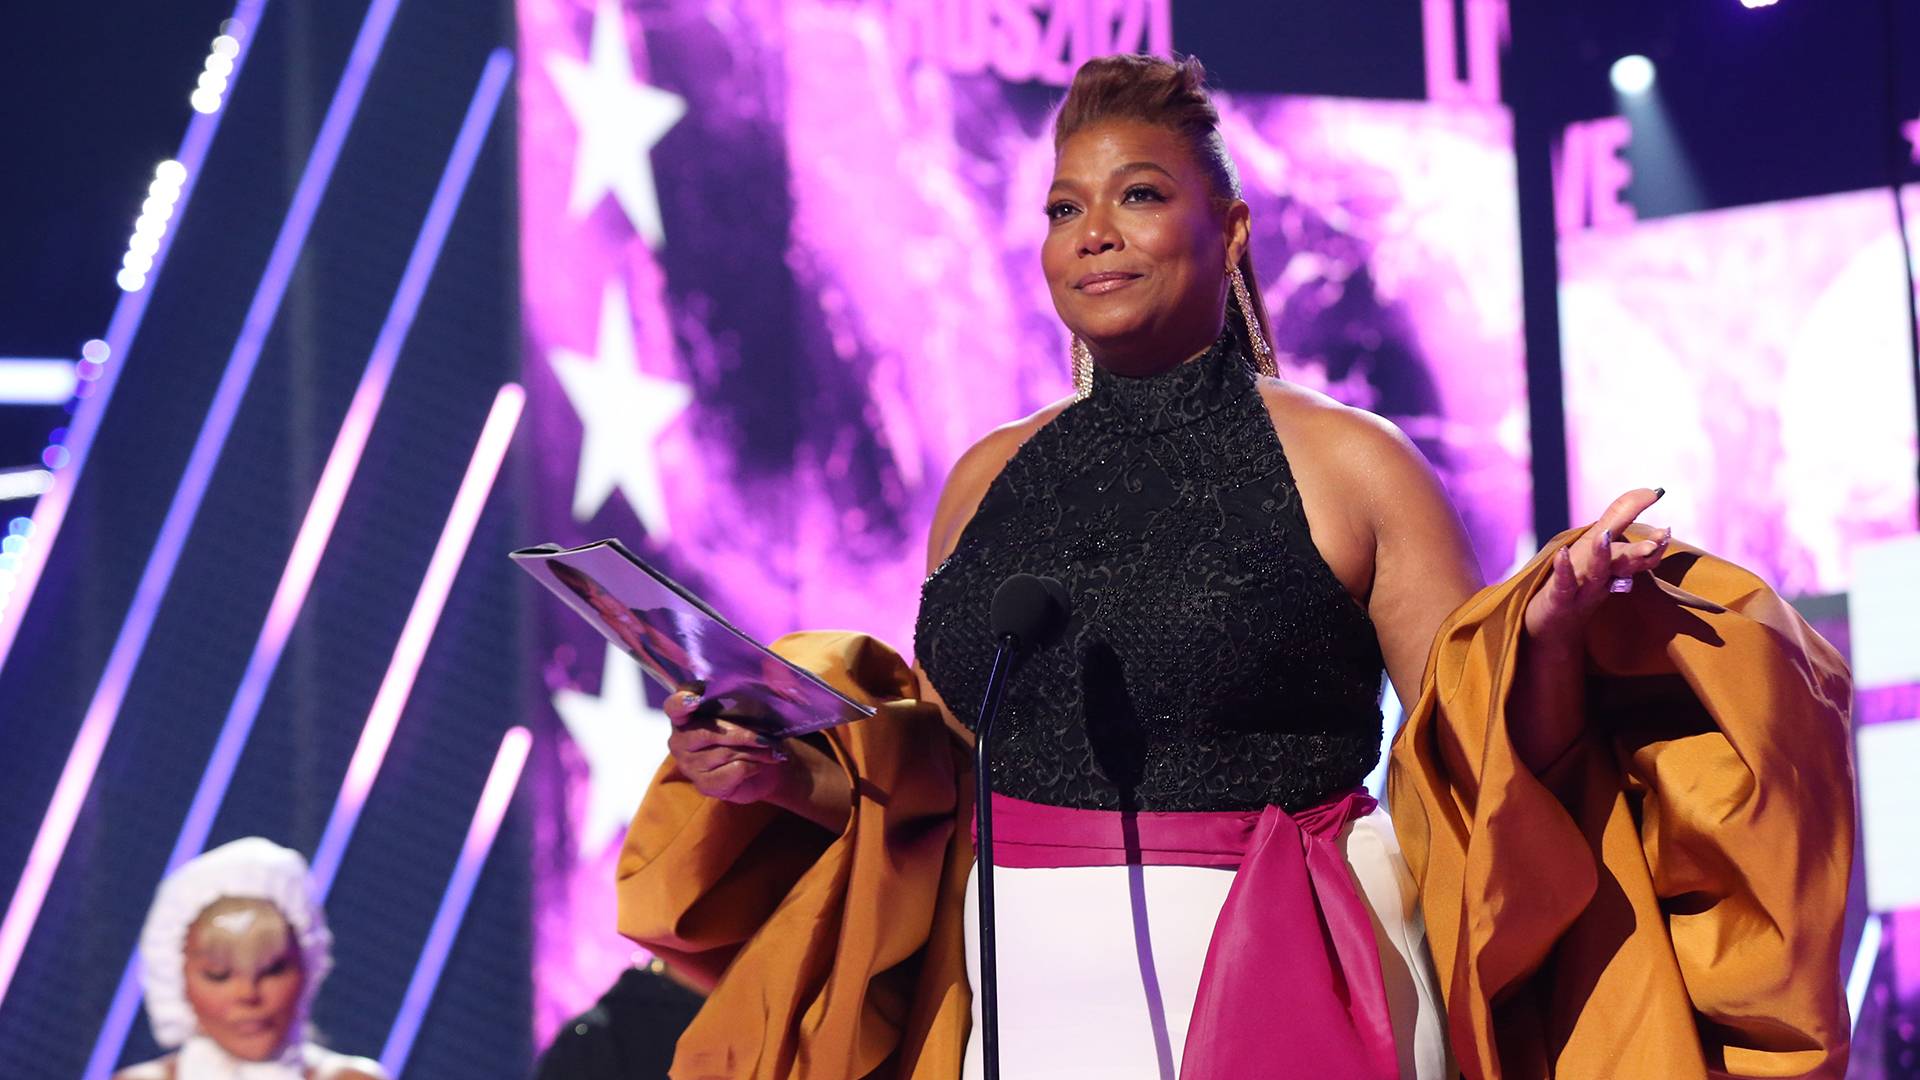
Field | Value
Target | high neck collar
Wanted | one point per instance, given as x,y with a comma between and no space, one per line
1169,399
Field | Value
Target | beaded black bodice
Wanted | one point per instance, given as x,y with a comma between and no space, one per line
1213,661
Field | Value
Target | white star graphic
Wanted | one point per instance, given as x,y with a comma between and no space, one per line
622,413
624,740
620,119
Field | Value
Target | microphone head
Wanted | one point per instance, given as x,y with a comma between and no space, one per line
1031,610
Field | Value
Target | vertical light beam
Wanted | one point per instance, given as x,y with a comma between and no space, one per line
391,699
51,510
494,799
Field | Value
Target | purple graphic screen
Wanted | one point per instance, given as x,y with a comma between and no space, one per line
1755,362
781,269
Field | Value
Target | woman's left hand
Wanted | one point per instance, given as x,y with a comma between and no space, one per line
1584,571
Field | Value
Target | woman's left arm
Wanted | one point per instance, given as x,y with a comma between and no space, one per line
1423,565
1548,683
1424,568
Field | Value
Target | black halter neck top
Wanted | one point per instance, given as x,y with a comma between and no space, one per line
1213,661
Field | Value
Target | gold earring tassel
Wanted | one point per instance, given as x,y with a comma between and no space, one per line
1082,366
1263,361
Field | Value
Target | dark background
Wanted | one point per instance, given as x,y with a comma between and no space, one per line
96,94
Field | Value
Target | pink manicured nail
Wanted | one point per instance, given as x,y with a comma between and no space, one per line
1606,541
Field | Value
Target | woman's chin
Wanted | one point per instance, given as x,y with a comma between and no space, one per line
248,1046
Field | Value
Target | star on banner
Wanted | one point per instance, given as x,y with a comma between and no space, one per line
622,414
620,119
624,741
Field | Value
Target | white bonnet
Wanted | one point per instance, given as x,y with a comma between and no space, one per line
252,868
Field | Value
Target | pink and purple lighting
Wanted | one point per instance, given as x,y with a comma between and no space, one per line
391,700
50,842
51,510
131,641
1816,395
495,797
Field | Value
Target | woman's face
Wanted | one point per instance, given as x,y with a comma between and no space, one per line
244,977
1137,246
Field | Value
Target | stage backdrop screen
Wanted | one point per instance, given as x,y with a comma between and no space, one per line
1756,362
781,268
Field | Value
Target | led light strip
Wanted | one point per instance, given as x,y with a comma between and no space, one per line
494,800
448,553
77,776
391,700
26,380
1864,959
51,511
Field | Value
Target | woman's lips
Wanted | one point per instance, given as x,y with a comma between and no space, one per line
1105,282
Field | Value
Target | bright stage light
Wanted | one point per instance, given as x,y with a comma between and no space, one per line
151,225
1632,74
1757,3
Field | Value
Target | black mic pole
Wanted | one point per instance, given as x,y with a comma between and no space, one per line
1003,658
1028,612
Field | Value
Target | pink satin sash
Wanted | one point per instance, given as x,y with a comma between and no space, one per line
1291,987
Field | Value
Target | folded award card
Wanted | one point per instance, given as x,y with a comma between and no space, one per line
685,644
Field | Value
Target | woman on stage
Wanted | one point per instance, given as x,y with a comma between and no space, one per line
1190,879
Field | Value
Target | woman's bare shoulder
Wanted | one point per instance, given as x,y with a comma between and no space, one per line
157,1069
1319,430
974,472
1361,480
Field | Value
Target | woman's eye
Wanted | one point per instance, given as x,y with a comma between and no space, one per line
277,967
1059,210
216,976
1142,193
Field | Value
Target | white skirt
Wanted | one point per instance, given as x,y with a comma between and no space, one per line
1100,965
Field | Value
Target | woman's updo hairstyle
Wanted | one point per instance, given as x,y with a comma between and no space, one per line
1170,94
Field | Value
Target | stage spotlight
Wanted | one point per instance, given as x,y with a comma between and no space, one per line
1757,3
1632,74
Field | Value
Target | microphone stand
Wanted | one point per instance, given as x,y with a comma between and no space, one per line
1003,659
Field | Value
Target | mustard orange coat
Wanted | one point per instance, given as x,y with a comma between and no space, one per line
1665,902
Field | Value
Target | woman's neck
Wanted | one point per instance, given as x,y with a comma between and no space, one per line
1148,358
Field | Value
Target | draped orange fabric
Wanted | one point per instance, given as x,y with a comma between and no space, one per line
1667,900
830,958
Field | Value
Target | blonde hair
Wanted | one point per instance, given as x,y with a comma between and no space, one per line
240,932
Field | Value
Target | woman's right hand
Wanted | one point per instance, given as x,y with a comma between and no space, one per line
728,761
720,758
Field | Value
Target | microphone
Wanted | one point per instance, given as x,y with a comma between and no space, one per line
1028,613
1031,610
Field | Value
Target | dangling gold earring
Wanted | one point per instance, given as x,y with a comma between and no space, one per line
1082,364
1262,351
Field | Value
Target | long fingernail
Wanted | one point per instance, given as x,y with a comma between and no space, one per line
1666,534
1606,541
1659,493
765,740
